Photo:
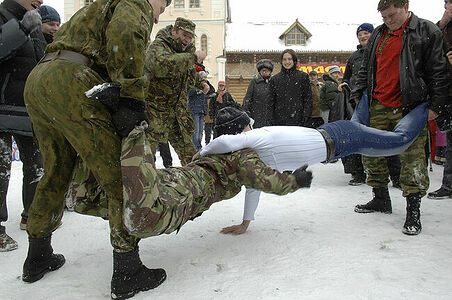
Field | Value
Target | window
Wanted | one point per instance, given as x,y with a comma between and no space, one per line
295,37
179,3
88,2
204,43
194,3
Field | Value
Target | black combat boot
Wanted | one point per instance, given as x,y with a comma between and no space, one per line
381,202
130,276
40,259
412,224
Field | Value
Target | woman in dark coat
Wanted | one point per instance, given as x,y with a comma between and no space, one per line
291,101
257,101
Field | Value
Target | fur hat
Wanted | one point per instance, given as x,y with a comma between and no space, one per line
49,14
230,120
334,69
264,63
365,27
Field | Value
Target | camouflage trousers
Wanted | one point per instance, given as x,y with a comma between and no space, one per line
413,175
66,124
174,125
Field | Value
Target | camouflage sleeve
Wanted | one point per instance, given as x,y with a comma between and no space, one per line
253,173
164,64
127,35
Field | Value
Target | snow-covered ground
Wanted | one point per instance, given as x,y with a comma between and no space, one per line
306,245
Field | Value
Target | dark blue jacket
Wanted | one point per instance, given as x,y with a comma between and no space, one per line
197,102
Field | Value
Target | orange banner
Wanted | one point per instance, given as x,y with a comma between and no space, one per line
319,68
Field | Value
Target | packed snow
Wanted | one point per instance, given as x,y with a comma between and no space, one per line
306,245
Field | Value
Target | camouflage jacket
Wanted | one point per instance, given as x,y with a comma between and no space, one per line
170,70
114,35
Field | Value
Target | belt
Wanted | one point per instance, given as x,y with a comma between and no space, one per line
330,149
67,55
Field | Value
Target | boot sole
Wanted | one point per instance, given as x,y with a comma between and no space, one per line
128,295
439,197
411,232
367,211
36,277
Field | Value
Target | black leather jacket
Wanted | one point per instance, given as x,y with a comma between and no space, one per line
422,66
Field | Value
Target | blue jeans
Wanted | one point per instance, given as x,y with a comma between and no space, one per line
198,118
352,137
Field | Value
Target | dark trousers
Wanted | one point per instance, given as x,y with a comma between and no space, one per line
208,130
165,153
353,165
32,171
447,173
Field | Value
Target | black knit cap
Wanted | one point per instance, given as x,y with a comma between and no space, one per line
168,2
230,120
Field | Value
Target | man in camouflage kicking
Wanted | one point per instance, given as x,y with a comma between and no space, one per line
93,47
170,61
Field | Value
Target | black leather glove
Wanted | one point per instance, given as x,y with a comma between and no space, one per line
106,93
303,177
31,21
129,114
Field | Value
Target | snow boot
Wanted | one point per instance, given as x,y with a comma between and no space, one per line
412,224
441,193
381,202
40,259
130,276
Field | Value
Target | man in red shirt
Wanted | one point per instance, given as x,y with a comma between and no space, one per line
404,65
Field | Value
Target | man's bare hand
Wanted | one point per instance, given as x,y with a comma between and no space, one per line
196,156
447,16
236,229
339,88
201,56
449,56
205,87
432,115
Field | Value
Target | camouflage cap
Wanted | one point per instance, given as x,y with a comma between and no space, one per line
185,24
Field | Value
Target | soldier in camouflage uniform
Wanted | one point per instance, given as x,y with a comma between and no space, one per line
170,61
93,47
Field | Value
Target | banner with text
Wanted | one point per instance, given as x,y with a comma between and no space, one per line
319,68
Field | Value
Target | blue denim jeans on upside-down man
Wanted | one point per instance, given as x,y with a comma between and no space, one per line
353,137
199,129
